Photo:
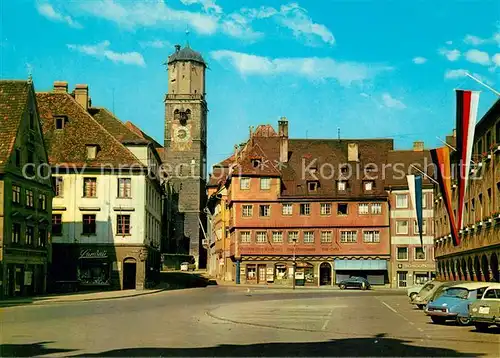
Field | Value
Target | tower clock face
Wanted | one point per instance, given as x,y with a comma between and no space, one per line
182,134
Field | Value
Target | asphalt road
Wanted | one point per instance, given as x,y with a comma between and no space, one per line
225,321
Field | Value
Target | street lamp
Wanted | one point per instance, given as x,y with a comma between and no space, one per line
293,277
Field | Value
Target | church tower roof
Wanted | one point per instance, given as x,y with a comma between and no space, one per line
186,54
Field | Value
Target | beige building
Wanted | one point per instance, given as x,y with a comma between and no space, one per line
107,206
25,193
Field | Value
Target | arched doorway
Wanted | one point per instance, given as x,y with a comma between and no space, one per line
129,273
494,267
325,274
477,268
485,268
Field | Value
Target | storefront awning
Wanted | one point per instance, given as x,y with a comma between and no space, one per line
360,264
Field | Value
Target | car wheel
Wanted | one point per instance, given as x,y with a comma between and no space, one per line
342,286
437,319
481,327
463,321
363,286
412,295
420,307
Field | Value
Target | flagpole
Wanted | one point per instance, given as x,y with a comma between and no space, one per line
482,83
422,172
446,144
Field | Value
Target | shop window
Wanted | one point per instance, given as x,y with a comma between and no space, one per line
123,224
342,209
247,210
305,209
421,278
251,272
402,253
325,208
287,209
89,224
57,224
281,272
265,210
94,272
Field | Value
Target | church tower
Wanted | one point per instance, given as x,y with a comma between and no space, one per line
186,149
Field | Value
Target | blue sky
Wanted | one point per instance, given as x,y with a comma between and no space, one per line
371,68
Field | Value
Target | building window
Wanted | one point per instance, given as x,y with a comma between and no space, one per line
308,237
16,233
341,185
326,237
256,162
363,209
91,151
16,194
371,236
342,209
59,186
124,187
376,208
424,229
401,201
42,202
402,279
305,209
401,227
244,183
264,210
60,122
277,236
247,210
419,253
312,185
325,209
265,183
293,236
29,198
245,237
424,200
261,237
368,185
89,187
123,224
42,237
29,235
348,236
57,224
402,253
89,227
287,209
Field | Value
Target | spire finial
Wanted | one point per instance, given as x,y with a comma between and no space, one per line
187,36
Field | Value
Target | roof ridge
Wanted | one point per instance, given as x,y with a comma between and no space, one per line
119,121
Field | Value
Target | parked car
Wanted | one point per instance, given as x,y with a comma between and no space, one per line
413,291
431,290
354,282
486,311
454,303
186,266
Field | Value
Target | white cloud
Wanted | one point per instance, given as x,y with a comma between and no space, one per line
156,44
312,68
47,10
208,5
138,14
474,40
479,57
451,74
101,50
239,26
419,60
391,102
451,55
449,43
496,59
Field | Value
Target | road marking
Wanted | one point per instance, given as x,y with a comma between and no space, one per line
389,307
327,320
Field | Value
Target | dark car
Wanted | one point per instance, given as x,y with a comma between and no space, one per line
354,282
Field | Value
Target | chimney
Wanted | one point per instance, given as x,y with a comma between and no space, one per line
352,152
454,133
418,146
60,87
283,134
82,95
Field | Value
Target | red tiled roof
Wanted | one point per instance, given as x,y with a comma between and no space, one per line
13,101
132,127
116,127
68,146
401,163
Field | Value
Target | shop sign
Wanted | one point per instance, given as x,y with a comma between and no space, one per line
93,254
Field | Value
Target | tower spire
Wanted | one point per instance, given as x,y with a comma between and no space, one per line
187,36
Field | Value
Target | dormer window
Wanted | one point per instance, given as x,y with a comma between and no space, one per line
92,150
368,185
60,121
344,170
256,162
312,185
342,185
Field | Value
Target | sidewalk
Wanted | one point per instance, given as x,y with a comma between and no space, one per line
77,297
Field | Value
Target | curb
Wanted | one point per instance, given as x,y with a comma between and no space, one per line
51,302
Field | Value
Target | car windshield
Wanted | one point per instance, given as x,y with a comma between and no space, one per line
457,292
427,287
